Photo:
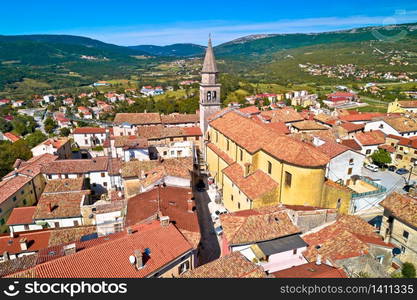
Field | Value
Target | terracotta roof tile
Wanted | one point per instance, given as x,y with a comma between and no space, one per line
370,138
138,118
352,144
254,137
285,115
402,207
165,242
89,130
255,185
308,125
21,215
257,225
234,265
402,124
77,166
311,270
64,185
223,155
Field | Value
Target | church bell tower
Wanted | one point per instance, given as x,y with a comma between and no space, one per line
209,89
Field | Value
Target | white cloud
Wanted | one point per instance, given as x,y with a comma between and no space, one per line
223,31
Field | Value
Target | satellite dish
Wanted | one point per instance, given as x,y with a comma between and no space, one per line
396,251
132,259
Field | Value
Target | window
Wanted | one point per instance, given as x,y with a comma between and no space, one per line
241,154
184,138
350,171
339,203
171,139
294,252
227,145
14,198
26,227
165,153
401,148
103,175
117,227
22,192
56,224
368,151
105,183
399,156
86,142
76,223
231,197
217,136
288,178
402,249
238,205
197,138
24,202
185,266
269,168
351,162
1,210
405,235
2,222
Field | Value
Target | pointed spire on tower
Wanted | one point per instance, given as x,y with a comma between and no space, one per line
209,65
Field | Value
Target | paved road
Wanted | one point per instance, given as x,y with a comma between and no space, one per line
209,249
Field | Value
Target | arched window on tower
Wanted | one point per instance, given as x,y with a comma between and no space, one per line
214,95
208,96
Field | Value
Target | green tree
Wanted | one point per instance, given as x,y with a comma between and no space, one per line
65,131
50,125
35,138
408,270
381,157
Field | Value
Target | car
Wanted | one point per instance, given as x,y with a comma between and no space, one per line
216,215
372,167
408,187
392,168
402,171
218,230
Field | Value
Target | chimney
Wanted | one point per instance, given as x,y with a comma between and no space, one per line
23,244
318,262
142,174
129,230
70,249
139,259
49,207
190,205
246,170
5,256
164,220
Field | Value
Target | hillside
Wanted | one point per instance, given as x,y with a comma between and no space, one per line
177,50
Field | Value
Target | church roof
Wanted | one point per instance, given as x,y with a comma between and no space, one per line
209,65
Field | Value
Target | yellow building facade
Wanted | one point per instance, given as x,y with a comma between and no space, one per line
277,181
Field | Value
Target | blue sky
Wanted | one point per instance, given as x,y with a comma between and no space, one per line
130,22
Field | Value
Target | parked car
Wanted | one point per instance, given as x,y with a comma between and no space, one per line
216,215
402,171
218,230
392,168
408,187
372,167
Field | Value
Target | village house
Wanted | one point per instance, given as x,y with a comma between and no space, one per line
360,118
399,225
349,243
24,244
60,147
23,186
172,203
349,130
141,176
89,137
266,236
127,148
340,98
11,137
396,125
403,151
234,265
101,172
287,115
370,141
402,107
150,250
307,126
311,270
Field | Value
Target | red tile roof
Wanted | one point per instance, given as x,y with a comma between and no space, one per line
234,265
361,117
402,207
251,110
352,144
349,236
255,185
333,149
33,166
254,137
77,166
10,186
175,203
138,118
12,137
89,130
351,127
110,259
223,155
370,138
311,270
21,215
257,225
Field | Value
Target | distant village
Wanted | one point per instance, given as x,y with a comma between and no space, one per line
285,185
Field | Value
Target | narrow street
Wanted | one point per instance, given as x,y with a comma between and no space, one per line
209,248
